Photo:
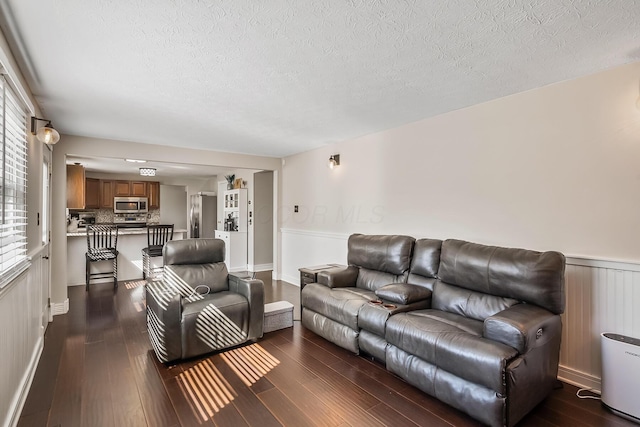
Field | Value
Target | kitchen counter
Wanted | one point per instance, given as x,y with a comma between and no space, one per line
122,231
130,244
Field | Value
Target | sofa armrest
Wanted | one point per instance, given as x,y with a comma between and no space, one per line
253,291
164,312
523,327
403,293
339,277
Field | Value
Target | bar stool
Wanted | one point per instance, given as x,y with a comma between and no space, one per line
157,236
102,243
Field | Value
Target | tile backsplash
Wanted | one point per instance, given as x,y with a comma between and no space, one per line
106,215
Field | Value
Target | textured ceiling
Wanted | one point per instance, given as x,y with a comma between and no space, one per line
280,77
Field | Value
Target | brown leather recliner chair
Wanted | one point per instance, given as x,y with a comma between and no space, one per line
198,307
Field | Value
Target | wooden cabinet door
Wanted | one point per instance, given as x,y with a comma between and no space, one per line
92,193
121,188
138,188
153,192
106,194
75,186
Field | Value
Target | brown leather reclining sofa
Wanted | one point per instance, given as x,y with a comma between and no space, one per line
475,326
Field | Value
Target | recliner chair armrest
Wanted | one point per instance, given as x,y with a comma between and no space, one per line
164,312
523,327
339,277
253,291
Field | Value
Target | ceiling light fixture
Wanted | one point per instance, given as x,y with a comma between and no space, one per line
148,171
334,160
135,161
46,133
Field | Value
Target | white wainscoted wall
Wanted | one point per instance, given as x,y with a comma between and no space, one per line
22,329
601,296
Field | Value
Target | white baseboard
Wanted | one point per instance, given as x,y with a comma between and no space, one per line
20,398
294,280
579,379
260,267
60,307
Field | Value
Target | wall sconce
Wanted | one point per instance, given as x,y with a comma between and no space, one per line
46,133
334,160
148,171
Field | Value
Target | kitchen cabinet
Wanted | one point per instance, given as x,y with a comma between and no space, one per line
121,188
75,186
235,249
149,189
106,194
236,207
153,193
91,193
138,189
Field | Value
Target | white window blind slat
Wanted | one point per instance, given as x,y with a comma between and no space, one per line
13,183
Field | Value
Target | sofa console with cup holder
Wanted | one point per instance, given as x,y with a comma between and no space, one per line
475,326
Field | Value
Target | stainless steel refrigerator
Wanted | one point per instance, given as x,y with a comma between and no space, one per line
203,215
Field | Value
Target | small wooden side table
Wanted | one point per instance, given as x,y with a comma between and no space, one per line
310,274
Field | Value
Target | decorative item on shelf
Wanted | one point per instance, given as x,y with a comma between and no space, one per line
237,183
230,181
72,226
334,160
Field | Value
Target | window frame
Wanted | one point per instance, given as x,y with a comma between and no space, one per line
13,183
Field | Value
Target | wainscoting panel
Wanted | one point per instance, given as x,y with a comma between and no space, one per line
302,248
21,339
602,296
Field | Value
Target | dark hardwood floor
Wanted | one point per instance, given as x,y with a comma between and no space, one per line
98,369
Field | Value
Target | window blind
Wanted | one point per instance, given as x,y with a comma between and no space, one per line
13,184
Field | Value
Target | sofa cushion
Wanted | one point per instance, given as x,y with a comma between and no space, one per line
534,277
373,317
388,254
480,402
449,347
339,304
425,262
465,302
193,251
403,293
372,279
331,330
217,321
187,277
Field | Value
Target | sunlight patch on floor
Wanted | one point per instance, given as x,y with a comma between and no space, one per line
134,284
205,389
250,363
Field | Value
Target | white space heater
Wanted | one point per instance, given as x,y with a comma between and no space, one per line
621,375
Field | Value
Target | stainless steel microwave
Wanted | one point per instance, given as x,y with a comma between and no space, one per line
130,205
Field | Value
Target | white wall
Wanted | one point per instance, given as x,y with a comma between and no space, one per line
21,338
23,302
553,168
262,221
556,168
173,205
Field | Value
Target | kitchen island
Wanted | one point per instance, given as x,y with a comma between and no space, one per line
130,244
